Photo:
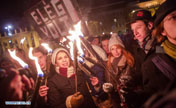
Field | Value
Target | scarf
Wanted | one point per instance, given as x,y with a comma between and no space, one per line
169,48
147,43
66,72
118,64
119,69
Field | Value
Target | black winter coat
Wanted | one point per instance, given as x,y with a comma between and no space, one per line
154,80
61,87
139,57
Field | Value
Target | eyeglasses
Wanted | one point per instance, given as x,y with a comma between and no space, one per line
171,18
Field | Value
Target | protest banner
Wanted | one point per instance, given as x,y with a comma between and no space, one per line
53,18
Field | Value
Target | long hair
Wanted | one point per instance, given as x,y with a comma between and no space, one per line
129,57
157,32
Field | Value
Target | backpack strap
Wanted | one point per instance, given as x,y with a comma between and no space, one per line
168,70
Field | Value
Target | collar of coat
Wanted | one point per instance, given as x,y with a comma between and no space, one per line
120,62
70,71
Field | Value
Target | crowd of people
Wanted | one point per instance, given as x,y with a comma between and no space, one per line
134,72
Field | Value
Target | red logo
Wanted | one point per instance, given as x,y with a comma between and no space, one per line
140,14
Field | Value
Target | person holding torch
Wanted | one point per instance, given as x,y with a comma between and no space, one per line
46,67
61,85
120,63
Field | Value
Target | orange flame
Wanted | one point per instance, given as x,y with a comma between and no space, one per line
75,35
21,62
46,46
63,39
39,71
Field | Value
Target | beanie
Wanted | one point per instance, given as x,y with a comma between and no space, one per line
53,58
115,40
167,7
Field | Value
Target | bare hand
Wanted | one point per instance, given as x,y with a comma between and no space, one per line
94,81
43,90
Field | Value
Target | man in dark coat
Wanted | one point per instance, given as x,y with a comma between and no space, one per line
141,24
48,69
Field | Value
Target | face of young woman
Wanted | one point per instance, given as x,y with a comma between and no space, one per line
115,51
170,27
62,60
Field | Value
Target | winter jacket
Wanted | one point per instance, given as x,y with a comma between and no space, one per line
61,87
40,100
99,73
163,99
139,56
123,74
154,79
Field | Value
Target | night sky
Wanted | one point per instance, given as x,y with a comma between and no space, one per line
12,10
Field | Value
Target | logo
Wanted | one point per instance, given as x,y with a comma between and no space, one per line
140,14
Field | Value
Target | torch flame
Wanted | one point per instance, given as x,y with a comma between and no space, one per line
63,40
21,62
71,50
22,40
75,36
46,46
40,73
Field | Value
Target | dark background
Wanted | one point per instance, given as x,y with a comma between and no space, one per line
12,11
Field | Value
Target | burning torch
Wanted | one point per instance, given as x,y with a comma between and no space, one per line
76,35
25,70
40,78
75,46
46,46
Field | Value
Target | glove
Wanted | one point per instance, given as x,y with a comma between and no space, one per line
124,80
75,100
107,87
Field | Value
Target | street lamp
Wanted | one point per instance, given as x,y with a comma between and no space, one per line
8,28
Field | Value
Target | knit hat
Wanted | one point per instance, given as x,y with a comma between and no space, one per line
167,7
53,58
100,52
115,40
140,14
